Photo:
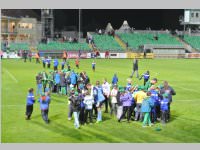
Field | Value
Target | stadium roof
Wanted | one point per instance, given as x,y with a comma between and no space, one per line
20,13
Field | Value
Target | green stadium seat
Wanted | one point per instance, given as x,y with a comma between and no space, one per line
63,46
136,39
194,41
19,46
106,42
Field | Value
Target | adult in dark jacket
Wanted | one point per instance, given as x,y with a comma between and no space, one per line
135,68
166,89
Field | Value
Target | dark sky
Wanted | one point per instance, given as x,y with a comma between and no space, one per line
137,18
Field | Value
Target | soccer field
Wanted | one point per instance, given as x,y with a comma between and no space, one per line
184,126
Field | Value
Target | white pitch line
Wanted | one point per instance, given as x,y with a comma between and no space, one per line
10,74
187,89
186,100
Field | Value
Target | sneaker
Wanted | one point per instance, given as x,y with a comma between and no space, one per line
69,118
144,126
119,120
98,121
151,124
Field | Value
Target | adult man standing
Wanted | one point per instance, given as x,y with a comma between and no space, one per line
166,89
135,68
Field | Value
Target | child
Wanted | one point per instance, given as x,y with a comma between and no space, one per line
37,56
147,104
129,85
63,65
126,99
82,110
88,101
155,112
68,68
56,63
119,103
98,92
93,65
44,101
114,79
146,77
106,92
39,83
50,80
139,96
29,103
72,92
44,80
75,103
73,78
44,62
62,84
164,106
57,82
77,63
148,84
48,63
114,100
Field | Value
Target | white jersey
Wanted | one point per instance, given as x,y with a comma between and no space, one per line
106,88
88,101
114,95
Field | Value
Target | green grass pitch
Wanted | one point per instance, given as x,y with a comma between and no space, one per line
184,126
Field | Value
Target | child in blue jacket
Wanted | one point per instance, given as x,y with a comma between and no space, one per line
55,64
57,81
114,80
146,77
63,65
146,107
44,101
155,112
99,98
30,100
164,107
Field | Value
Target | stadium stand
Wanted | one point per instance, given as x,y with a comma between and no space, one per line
106,42
194,41
63,46
137,39
19,46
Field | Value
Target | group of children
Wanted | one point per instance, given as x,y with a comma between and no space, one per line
148,103
46,61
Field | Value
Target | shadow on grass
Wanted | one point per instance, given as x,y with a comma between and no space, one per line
70,133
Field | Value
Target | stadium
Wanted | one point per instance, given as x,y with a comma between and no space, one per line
47,57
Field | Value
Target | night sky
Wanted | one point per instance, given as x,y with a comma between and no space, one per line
138,18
